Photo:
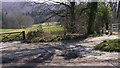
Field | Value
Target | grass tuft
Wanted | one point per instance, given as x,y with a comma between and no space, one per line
109,45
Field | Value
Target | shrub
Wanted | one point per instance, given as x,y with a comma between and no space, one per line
109,45
44,37
39,35
35,33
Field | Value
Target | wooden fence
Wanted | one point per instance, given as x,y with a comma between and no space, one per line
116,27
12,36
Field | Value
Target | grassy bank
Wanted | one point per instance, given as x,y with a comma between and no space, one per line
50,31
109,45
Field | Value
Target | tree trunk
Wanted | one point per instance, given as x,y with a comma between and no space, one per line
92,16
72,17
118,12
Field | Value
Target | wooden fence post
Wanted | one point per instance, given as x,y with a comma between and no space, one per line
23,35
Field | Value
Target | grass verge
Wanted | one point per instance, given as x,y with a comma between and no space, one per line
109,45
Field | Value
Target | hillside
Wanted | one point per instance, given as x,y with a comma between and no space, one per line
39,12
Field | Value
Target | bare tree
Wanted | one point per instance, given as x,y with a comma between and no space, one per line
118,12
16,20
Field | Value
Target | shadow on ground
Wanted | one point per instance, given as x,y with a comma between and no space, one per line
39,56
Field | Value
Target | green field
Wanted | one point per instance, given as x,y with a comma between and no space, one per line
51,29
17,30
46,28
9,30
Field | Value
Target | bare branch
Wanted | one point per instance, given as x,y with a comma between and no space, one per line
61,3
55,14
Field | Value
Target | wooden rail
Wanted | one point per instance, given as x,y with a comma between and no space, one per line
116,27
12,36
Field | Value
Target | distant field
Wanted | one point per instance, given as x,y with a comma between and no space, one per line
51,28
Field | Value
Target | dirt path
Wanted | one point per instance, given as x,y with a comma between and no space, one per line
82,53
